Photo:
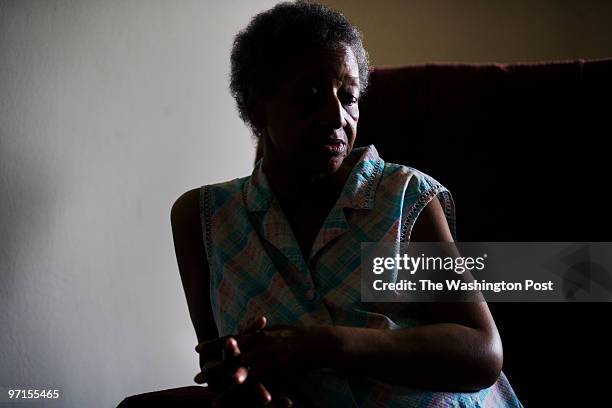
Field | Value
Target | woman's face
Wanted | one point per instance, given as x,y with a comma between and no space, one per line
310,122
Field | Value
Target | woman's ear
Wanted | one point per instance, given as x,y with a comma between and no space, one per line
258,118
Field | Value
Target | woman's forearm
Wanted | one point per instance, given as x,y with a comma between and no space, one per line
444,356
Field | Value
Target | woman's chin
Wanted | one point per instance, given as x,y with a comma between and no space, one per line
327,166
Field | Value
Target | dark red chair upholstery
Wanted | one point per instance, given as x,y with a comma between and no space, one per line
523,149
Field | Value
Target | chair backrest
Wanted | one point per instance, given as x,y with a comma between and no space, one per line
521,146
523,150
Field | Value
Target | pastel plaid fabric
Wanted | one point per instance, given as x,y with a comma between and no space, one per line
257,268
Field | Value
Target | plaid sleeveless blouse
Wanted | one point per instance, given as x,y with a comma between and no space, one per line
257,268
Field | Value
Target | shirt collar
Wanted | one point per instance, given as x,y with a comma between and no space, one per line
358,191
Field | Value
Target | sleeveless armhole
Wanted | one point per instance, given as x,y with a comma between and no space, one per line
427,188
205,220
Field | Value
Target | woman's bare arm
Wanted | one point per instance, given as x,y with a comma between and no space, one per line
459,349
192,263
195,276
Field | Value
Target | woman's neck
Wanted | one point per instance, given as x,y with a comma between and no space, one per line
295,190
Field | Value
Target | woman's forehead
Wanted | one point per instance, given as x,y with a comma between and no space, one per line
338,63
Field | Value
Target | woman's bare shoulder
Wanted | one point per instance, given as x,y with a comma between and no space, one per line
187,204
187,230
187,233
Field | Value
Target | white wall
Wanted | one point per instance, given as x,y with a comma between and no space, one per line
108,112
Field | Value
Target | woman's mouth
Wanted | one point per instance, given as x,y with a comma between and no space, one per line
334,147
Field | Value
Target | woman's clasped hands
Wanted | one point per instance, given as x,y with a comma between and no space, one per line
258,365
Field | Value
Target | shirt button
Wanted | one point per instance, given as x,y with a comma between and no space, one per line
310,294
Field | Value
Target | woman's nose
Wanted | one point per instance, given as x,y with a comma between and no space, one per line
332,113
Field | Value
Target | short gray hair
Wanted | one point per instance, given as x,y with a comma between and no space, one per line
262,50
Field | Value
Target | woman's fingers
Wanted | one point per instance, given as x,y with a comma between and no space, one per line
231,348
247,394
240,375
231,351
264,395
282,402
219,357
212,349
256,325
273,398
223,373
212,368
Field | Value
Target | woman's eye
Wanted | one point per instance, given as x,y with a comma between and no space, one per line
349,99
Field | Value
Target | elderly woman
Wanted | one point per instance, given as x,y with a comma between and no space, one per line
270,263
